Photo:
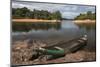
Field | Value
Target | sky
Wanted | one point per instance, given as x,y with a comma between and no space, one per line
67,10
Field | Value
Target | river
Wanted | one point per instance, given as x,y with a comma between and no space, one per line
65,30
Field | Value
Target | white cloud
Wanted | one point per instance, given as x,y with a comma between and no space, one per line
70,14
68,11
40,6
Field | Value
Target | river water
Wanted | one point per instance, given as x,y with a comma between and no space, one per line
65,30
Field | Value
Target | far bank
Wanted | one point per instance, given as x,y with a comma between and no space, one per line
34,20
84,21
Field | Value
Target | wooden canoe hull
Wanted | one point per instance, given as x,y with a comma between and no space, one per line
53,52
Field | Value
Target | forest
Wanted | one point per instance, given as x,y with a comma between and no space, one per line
88,15
25,13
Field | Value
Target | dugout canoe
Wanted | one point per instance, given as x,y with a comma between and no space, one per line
63,48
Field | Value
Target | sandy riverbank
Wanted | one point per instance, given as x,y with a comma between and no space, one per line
84,21
34,20
22,51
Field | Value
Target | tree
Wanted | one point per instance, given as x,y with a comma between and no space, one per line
88,15
35,14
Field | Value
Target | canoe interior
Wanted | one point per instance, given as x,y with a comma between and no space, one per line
68,45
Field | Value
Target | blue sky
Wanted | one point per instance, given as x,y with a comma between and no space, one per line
67,11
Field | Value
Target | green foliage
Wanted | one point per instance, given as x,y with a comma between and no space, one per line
35,14
88,15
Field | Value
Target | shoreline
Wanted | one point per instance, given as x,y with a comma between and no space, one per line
34,20
84,21
22,51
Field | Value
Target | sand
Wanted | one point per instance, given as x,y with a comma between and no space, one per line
84,21
34,20
22,51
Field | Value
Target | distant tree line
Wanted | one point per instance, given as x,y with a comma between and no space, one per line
88,15
24,12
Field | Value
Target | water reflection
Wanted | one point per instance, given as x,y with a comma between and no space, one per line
25,27
66,30
87,26
90,30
